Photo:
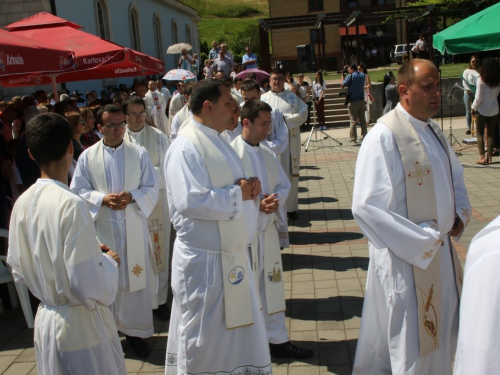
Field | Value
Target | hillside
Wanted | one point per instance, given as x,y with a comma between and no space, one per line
233,22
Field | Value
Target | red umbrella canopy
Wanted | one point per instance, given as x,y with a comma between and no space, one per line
22,56
95,58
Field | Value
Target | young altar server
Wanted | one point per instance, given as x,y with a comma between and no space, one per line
53,249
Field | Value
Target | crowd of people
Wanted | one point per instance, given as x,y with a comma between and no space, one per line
98,184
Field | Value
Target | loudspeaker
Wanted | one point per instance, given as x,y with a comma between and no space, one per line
306,58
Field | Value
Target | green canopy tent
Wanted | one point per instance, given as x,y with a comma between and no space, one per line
479,32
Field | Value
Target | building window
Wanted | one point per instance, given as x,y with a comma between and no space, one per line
175,40
188,35
101,11
158,38
134,30
315,5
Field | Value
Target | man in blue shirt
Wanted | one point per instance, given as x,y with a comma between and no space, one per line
355,82
249,59
214,52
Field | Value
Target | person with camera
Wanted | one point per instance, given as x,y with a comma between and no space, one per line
355,83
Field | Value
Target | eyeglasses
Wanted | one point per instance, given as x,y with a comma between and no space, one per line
114,126
133,114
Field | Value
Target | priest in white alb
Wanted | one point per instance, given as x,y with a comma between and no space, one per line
409,199
158,108
295,112
479,326
258,160
54,251
156,144
234,128
118,181
277,141
217,326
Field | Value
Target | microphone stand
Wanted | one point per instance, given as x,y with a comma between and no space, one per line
451,138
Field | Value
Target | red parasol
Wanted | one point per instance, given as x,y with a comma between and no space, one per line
95,58
22,56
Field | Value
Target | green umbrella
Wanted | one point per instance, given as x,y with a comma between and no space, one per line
479,32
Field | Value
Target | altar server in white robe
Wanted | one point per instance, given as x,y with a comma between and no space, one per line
118,181
295,112
260,161
157,105
479,326
54,251
156,144
216,325
406,170
277,141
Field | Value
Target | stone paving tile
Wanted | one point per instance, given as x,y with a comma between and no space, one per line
325,268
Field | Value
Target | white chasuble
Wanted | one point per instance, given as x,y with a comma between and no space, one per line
132,310
156,144
295,112
261,162
478,344
157,106
54,251
199,342
389,334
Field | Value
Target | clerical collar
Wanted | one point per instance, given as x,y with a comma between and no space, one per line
135,134
205,129
248,143
274,92
115,148
49,181
414,121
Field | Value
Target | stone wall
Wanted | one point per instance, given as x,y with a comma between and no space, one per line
456,100
15,10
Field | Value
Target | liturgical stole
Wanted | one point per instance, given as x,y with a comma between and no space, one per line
421,206
233,235
133,220
155,221
273,266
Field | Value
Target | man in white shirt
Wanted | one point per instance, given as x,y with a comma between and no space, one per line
295,112
260,161
156,144
409,198
216,324
117,180
157,105
54,251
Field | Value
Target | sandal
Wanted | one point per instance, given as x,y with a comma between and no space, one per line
489,160
482,161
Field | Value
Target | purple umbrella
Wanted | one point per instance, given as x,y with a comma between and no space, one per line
260,74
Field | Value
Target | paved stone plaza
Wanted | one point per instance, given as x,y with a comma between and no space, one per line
325,267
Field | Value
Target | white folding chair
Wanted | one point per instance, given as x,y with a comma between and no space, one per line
22,290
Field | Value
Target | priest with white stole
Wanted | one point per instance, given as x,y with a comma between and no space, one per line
295,112
183,114
217,326
156,144
478,344
276,140
259,160
179,100
409,199
158,107
53,249
118,181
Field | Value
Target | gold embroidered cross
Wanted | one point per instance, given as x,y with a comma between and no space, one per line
137,270
419,173
428,254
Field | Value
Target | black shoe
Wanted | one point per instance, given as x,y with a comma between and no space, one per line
288,350
164,312
468,132
292,215
141,348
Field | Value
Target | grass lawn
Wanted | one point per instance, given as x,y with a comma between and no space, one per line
223,28
447,71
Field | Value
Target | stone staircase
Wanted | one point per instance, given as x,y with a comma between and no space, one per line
336,113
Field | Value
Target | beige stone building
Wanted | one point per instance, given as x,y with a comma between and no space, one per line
304,18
